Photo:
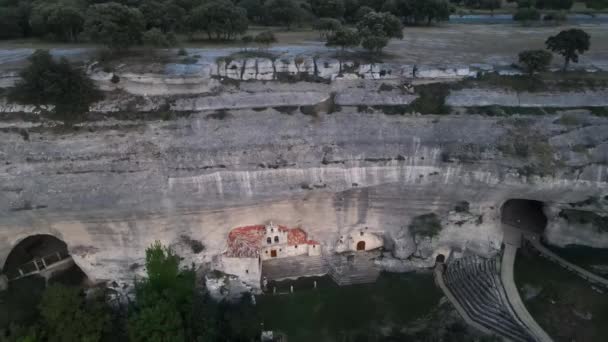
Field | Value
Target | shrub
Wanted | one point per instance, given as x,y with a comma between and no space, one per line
553,4
155,37
327,26
265,38
526,14
344,38
220,19
47,82
558,17
535,60
247,39
427,225
114,25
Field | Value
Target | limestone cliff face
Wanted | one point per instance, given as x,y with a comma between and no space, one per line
109,192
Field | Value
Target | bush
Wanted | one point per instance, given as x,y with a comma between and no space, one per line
535,60
427,225
553,4
265,38
344,38
47,82
155,37
327,26
558,17
114,25
220,19
526,14
247,39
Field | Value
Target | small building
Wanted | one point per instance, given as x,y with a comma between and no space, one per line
281,242
248,246
359,240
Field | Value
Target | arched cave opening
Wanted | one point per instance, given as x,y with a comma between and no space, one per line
524,214
43,255
440,259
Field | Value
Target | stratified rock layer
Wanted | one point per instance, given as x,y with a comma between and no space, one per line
109,192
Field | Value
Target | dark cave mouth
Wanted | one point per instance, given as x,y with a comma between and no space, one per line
524,214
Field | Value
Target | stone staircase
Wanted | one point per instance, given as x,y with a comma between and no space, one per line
475,284
354,268
294,267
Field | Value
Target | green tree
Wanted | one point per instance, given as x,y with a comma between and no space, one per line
256,12
220,19
596,4
63,21
526,15
328,8
344,38
10,23
165,300
553,4
484,4
265,38
283,12
114,25
569,43
47,82
535,60
66,316
327,26
376,29
350,10
155,37
362,12
158,321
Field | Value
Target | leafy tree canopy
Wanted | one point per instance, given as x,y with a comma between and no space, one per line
328,8
569,43
344,38
376,29
48,82
327,25
284,12
61,20
115,25
164,299
220,19
535,60
526,14
67,316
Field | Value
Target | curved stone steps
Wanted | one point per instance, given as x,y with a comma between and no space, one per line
472,282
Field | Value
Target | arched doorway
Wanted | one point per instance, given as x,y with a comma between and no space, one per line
42,255
524,214
361,245
439,259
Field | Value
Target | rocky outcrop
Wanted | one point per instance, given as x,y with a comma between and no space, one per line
509,98
110,192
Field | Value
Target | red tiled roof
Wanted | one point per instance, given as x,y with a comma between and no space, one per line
245,242
296,236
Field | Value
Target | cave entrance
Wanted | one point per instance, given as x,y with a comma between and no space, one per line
440,259
524,214
361,245
42,255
